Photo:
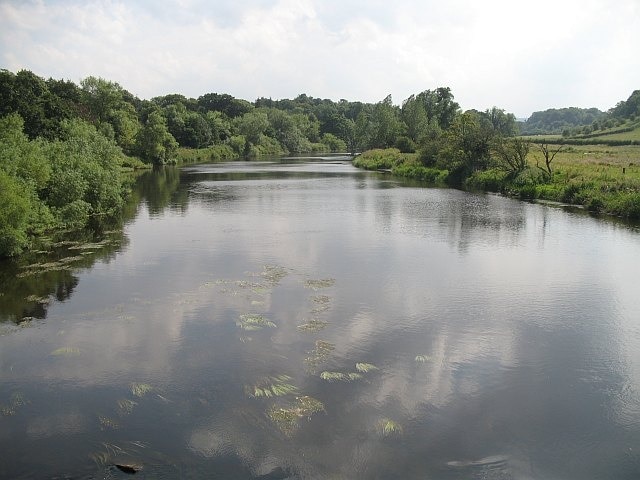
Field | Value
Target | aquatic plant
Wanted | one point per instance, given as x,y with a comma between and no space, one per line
287,418
313,325
126,406
365,367
318,284
66,351
319,354
321,303
140,389
37,299
274,273
252,322
339,376
272,387
389,427
16,400
106,422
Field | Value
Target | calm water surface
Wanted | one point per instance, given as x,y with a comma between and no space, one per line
303,319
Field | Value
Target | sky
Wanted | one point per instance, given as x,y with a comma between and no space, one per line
516,55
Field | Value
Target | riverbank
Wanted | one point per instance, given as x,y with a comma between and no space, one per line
602,179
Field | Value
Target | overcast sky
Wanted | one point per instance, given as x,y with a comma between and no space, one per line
517,55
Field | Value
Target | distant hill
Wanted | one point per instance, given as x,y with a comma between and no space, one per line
557,120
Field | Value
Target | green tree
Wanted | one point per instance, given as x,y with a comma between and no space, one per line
510,154
154,143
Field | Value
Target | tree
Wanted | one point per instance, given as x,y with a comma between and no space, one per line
503,123
511,154
549,154
101,96
154,143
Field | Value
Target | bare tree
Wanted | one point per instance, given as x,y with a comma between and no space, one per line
549,155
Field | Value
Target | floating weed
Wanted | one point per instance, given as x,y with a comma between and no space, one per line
140,389
365,367
422,358
274,273
272,387
260,290
339,376
313,325
16,400
106,422
287,418
101,459
66,352
321,303
126,406
36,299
250,322
319,354
318,284
389,427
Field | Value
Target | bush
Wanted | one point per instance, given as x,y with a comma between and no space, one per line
379,159
418,172
493,180
14,215
405,145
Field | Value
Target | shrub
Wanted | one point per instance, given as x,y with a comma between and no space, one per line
493,180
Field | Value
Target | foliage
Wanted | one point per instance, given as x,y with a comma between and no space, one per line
510,154
55,184
154,143
555,120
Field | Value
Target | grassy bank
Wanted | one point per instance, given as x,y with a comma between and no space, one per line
402,164
602,179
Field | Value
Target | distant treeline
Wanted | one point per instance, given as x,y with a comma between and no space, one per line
582,121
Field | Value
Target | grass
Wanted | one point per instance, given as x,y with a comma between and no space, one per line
216,153
600,178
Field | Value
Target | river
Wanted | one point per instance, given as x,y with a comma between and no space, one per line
303,319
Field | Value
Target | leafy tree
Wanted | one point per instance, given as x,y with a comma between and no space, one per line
154,143
230,106
510,154
253,124
101,97
502,123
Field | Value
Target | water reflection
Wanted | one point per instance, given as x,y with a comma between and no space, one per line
503,335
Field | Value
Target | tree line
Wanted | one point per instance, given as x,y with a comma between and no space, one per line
63,145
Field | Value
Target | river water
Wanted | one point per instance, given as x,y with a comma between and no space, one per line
304,319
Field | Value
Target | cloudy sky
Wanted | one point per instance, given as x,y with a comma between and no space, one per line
520,56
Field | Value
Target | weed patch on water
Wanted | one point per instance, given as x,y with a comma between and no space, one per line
126,406
320,284
140,389
389,427
318,355
16,401
422,358
66,352
107,423
272,387
321,303
287,418
44,300
251,322
313,325
274,273
365,367
340,377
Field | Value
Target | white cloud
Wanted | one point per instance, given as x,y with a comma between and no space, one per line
516,56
